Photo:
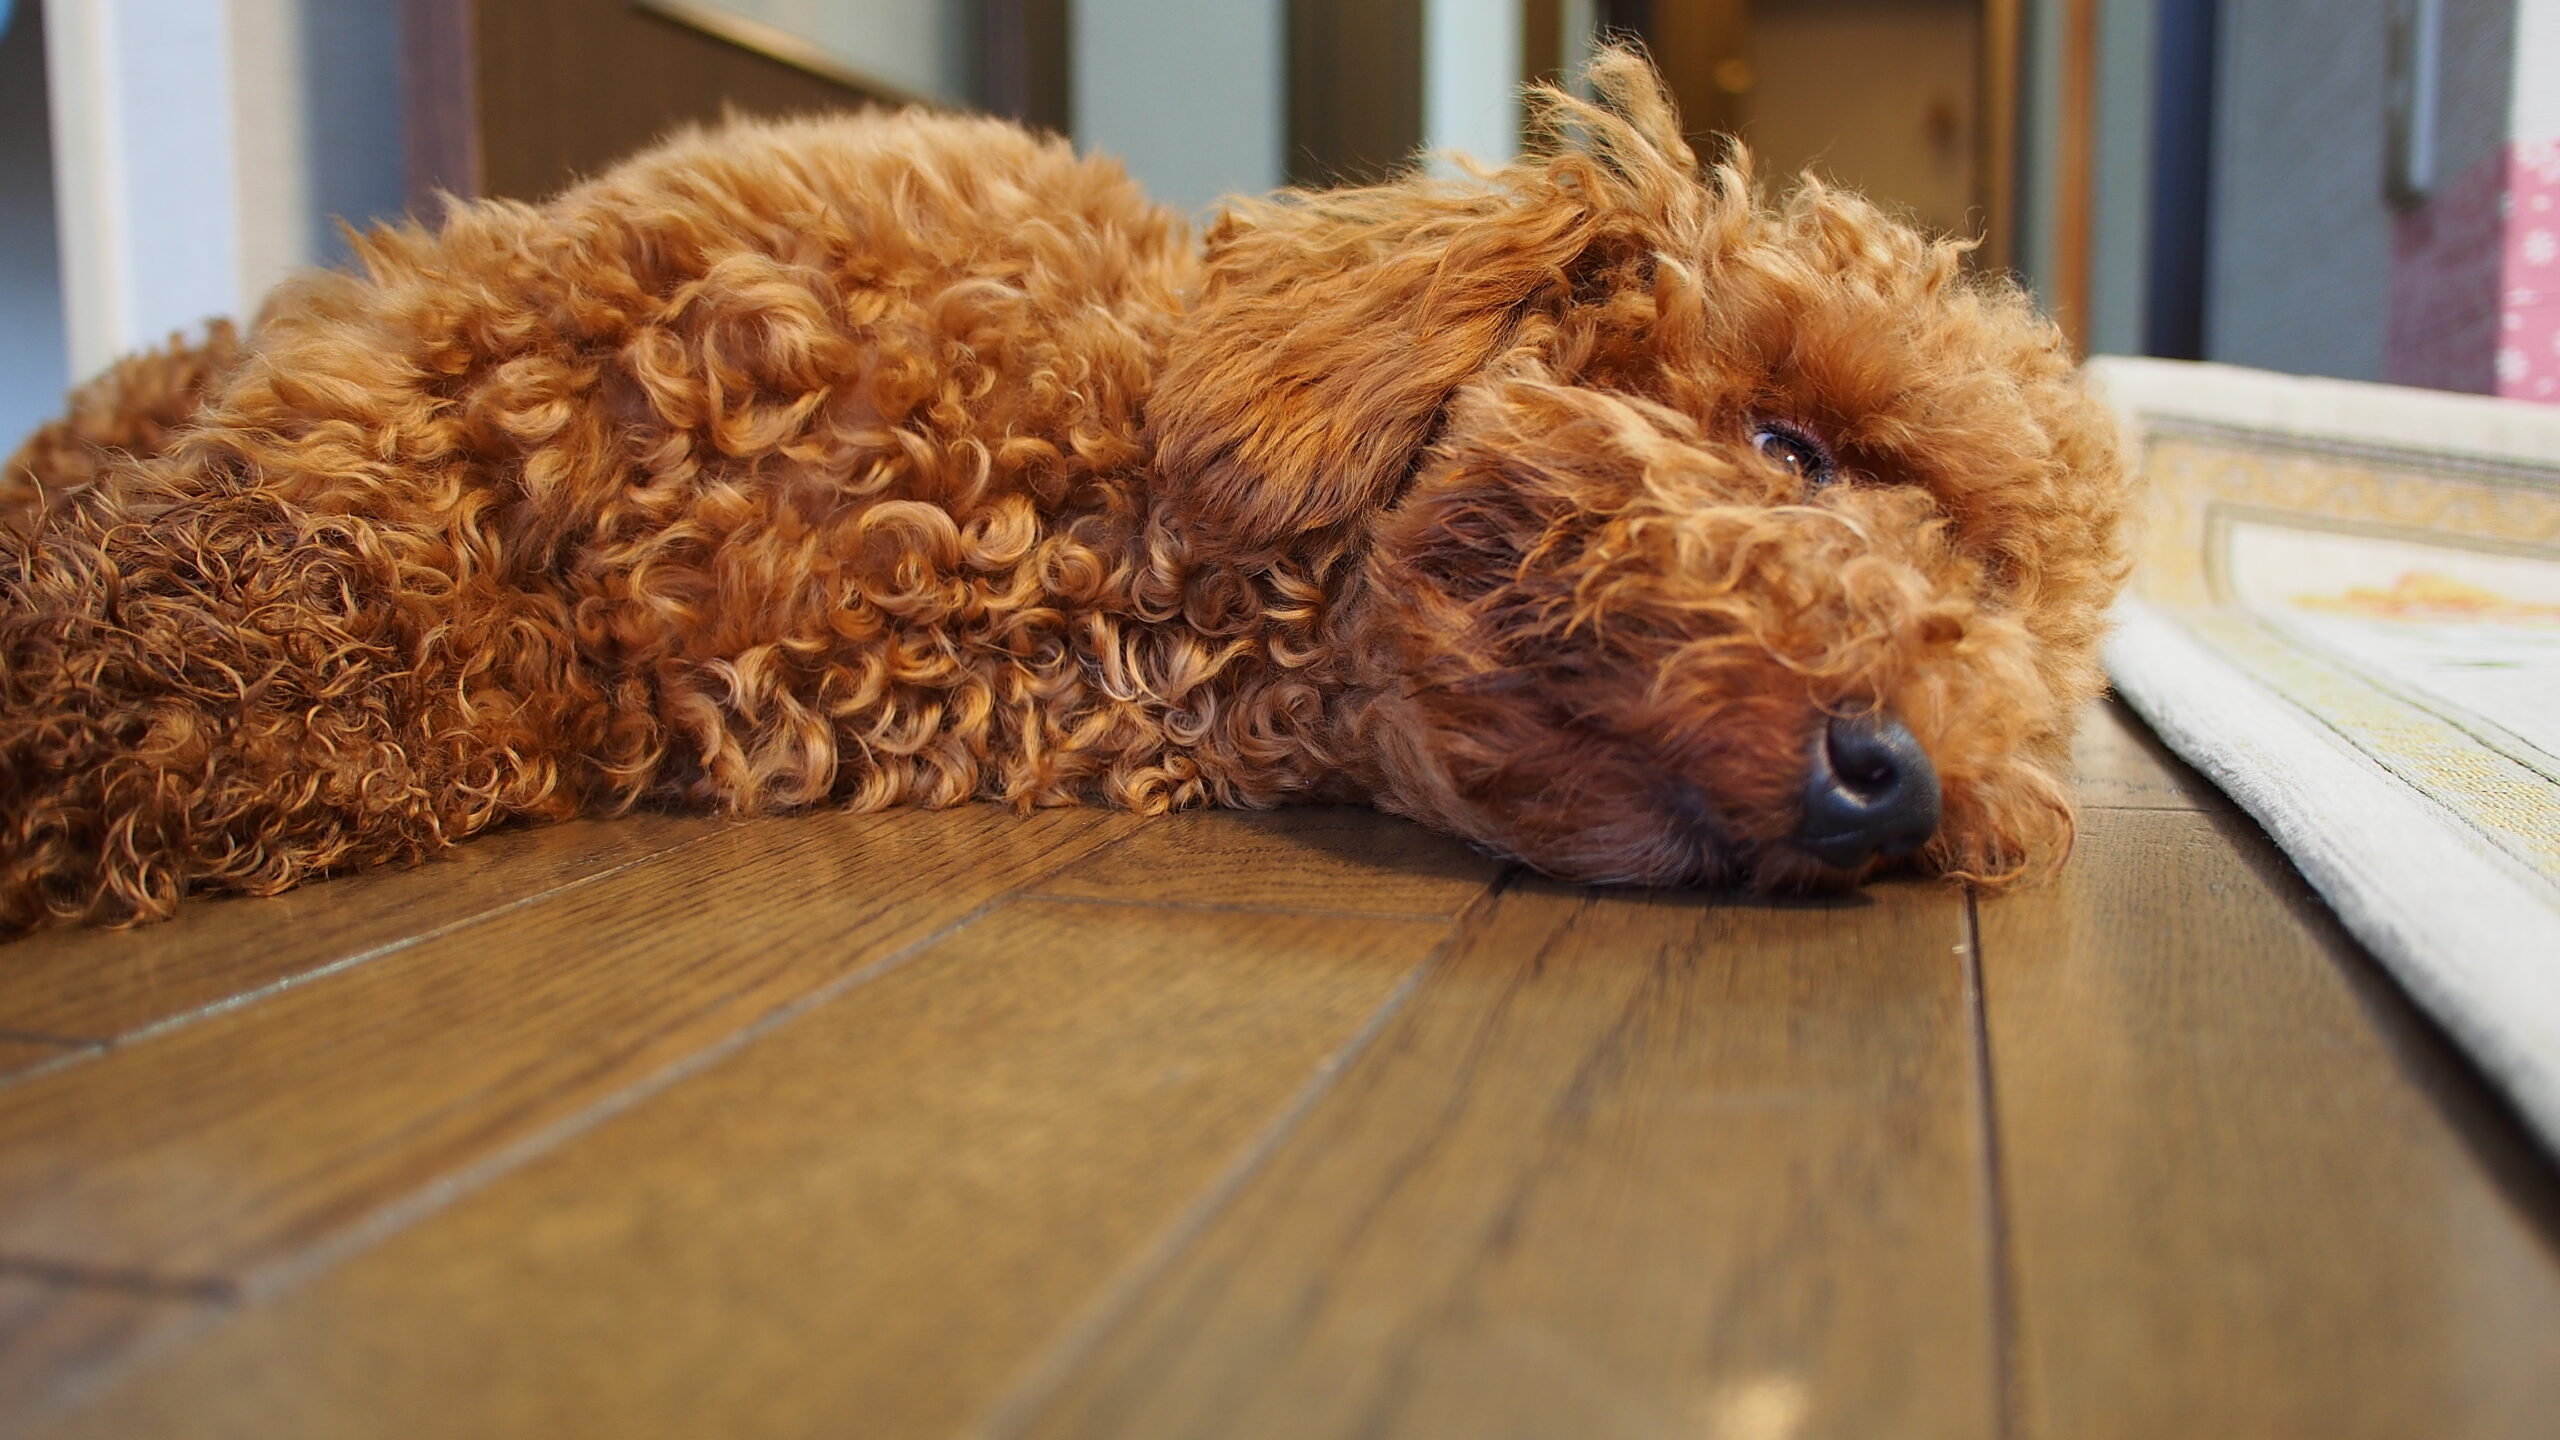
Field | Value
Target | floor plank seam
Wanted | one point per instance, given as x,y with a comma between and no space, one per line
194,1306
288,1272
68,1053
1220,907
94,1049
72,1274
37,1037
76,1386
1057,1362
92,1382
2006,1376
2161,809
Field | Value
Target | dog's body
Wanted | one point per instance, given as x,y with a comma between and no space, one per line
910,459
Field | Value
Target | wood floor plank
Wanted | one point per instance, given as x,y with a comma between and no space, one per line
19,1056
2250,1192
2120,765
862,1224
54,1337
1316,857
214,1148
1626,1165
103,984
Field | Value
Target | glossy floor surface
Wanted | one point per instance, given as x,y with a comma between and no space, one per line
1301,1124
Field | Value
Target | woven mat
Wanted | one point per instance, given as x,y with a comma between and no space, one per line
2346,612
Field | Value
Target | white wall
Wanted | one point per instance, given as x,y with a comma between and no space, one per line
144,166
1471,77
2536,75
201,149
1190,93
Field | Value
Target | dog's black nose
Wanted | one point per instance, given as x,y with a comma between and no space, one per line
1870,791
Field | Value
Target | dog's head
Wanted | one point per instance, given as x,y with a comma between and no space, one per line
1685,537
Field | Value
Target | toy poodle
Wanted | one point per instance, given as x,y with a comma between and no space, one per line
1592,508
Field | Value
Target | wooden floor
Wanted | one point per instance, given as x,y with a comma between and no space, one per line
1306,1124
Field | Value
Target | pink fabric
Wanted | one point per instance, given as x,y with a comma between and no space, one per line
2528,360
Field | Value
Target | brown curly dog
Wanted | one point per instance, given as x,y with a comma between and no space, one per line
1591,510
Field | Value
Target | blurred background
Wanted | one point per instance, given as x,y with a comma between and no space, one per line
2358,188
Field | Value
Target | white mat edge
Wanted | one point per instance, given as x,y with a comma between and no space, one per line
2464,933
2434,422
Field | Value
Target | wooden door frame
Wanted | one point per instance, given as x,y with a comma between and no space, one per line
1995,178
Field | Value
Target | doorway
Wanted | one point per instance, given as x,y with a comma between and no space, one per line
1909,101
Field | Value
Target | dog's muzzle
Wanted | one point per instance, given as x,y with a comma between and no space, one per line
1870,791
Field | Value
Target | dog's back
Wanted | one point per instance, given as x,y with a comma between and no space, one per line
717,477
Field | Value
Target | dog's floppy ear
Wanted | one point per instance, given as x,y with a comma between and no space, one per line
1334,327
1333,330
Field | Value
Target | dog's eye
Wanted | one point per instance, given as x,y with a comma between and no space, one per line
1795,452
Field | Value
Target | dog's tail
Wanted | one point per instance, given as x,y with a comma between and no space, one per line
133,408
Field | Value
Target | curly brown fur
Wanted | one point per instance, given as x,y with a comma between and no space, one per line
130,410
912,460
